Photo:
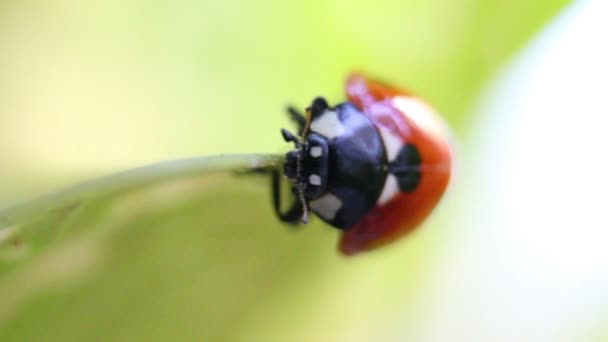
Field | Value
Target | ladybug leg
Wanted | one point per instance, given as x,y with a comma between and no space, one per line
289,137
318,107
296,213
297,117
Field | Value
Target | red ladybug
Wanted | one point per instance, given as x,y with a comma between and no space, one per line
373,167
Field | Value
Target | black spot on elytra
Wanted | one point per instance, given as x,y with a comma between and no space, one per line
406,167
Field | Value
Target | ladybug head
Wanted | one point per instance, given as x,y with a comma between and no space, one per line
307,166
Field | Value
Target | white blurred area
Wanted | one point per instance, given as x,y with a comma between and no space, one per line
528,259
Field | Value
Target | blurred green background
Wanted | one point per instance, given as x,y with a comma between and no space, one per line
92,87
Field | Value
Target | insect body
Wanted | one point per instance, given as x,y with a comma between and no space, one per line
373,167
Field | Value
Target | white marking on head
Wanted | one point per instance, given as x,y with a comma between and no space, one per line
316,151
392,143
328,124
390,189
314,179
326,206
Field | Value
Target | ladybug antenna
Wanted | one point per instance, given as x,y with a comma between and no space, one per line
304,217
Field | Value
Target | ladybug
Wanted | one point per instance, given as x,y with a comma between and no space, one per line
373,167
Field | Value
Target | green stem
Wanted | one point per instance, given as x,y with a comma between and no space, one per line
162,171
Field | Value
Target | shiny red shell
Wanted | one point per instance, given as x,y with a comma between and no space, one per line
415,123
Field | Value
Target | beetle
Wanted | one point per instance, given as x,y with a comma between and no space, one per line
373,167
